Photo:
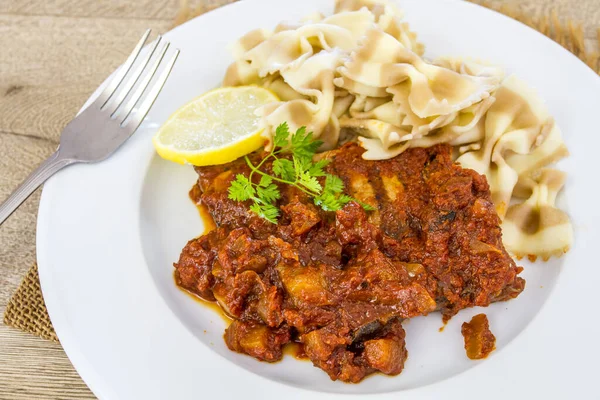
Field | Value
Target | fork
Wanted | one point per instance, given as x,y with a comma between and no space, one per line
111,119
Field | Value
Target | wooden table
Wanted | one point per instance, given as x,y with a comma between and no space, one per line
53,54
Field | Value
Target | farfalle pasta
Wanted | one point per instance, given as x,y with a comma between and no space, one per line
536,227
422,88
388,19
519,137
362,70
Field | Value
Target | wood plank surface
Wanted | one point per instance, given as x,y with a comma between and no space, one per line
140,9
53,54
54,65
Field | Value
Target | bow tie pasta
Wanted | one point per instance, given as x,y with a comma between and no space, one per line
536,227
361,70
517,124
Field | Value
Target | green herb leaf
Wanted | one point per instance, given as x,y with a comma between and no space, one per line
366,206
281,135
316,169
241,189
300,172
330,202
303,145
309,182
284,168
265,181
266,211
333,184
268,194
327,202
345,199
298,167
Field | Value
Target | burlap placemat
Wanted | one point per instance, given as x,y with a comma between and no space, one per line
26,309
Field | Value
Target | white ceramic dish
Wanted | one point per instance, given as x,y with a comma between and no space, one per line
108,233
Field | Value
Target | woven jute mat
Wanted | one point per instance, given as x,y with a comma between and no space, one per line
26,309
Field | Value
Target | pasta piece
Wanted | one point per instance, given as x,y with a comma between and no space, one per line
469,125
285,92
363,108
469,147
513,125
387,134
468,128
241,73
342,104
399,112
287,48
419,126
312,78
309,77
360,89
551,150
281,51
374,150
401,31
383,62
377,7
461,127
249,41
471,67
356,22
386,110
314,17
388,19
367,104
536,228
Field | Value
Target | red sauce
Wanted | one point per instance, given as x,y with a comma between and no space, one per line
213,305
479,340
296,350
207,219
343,282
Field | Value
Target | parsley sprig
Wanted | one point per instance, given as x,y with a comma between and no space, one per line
300,172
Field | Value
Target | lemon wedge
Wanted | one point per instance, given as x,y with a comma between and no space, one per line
215,128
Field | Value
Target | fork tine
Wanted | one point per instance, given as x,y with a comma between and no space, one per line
116,81
133,100
147,103
122,93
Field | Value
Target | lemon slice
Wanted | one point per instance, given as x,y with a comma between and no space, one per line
215,128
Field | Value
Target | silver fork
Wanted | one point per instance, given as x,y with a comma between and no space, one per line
106,123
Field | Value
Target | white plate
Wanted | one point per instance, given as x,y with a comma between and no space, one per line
108,234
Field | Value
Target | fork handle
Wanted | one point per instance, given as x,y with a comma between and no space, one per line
49,167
